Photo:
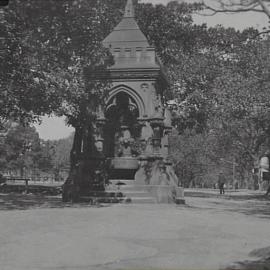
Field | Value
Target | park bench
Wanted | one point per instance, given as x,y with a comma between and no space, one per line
15,180
26,185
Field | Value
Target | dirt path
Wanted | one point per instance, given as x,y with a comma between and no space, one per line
210,232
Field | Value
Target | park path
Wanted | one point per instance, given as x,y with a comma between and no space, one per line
210,232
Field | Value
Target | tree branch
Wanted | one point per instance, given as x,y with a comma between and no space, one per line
254,6
261,33
265,7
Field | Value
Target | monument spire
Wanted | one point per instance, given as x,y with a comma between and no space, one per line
129,10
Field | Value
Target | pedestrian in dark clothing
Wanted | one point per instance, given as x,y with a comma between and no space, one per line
221,183
268,191
2,178
221,188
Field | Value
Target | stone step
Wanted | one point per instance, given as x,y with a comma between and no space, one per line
138,200
132,194
111,200
127,188
135,193
135,187
121,182
91,199
129,198
107,193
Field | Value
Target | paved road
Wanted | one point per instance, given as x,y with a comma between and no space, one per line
210,232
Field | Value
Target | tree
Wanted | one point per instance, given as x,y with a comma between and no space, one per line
225,63
22,150
191,158
21,98
54,156
21,147
48,51
194,74
173,30
261,6
242,103
62,150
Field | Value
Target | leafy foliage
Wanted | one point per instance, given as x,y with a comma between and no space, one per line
235,103
49,48
242,102
20,149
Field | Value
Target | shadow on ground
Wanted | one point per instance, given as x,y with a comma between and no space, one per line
229,196
249,204
15,201
263,263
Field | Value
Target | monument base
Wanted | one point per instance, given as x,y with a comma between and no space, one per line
160,181
123,168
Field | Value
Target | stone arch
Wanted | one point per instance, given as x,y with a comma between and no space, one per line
132,93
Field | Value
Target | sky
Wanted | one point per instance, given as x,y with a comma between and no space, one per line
53,128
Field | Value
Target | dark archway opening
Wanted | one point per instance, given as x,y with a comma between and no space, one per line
120,134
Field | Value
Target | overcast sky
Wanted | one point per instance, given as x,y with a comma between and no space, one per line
54,128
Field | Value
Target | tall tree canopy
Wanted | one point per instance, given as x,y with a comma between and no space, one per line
50,46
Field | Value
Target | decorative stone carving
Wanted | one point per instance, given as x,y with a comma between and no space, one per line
146,137
126,142
158,107
144,87
168,118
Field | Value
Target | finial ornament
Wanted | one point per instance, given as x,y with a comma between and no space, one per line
129,10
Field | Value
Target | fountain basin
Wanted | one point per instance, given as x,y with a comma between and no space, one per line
125,163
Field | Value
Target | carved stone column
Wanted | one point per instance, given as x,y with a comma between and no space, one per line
99,136
166,134
146,138
157,125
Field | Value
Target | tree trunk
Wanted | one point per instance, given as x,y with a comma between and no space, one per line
87,166
76,148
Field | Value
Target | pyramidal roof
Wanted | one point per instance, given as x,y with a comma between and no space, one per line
127,33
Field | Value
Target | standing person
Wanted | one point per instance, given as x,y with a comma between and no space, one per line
2,178
268,190
264,170
221,183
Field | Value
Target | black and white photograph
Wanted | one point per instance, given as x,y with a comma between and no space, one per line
134,134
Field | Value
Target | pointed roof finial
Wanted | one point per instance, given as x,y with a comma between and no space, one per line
129,10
